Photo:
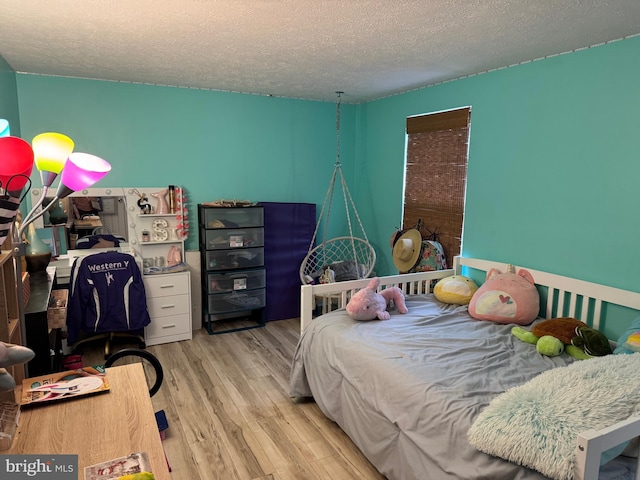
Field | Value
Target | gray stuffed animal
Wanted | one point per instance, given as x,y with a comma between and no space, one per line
11,355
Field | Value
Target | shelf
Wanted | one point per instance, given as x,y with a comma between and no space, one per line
9,311
149,215
13,329
164,242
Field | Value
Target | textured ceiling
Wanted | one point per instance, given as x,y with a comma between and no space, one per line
299,48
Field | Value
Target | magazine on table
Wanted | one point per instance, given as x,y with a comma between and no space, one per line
132,467
64,385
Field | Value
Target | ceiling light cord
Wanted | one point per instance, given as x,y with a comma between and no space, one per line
339,94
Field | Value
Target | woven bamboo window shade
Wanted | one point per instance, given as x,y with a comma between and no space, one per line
436,176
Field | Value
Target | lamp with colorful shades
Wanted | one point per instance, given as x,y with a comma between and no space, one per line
53,155
81,171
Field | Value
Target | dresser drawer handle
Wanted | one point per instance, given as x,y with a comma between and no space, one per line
173,325
168,306
167,286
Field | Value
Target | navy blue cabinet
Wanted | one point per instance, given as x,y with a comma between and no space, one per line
288,230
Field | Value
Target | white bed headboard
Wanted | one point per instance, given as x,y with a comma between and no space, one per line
560,296
333,296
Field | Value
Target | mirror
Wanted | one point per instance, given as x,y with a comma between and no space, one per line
93,210
117,209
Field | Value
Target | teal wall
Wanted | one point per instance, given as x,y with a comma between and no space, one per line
553,160
554,163
9,97
9,102
215,144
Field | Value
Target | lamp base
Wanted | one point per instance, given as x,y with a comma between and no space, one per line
37,262
37,253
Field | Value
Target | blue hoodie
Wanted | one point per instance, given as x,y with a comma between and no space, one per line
107,295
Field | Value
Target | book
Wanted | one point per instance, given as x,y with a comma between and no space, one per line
64,385
132,467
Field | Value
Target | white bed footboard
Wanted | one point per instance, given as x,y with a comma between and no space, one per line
336,295
569,297
592,443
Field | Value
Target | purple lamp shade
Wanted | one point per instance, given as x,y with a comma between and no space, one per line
81,171
16,157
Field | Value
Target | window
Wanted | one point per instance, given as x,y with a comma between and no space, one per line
436,176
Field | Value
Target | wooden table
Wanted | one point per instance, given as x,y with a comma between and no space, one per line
83,228
87,223
99,427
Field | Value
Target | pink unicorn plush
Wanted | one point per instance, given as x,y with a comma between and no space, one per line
368,304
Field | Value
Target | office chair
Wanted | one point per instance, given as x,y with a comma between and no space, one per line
132,355
127,337
107,300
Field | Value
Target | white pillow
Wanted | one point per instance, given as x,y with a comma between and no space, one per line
537,424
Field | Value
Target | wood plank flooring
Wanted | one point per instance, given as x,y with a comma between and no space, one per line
230,416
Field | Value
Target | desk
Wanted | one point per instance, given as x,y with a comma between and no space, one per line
87,223
83,228
36,324
97,428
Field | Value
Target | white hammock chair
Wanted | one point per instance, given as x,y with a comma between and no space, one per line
339,249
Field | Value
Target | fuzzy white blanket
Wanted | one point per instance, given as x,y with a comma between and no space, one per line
537,424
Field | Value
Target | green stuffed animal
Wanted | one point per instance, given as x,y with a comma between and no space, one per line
592,342
548,345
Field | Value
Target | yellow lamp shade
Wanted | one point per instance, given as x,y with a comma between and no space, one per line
51,151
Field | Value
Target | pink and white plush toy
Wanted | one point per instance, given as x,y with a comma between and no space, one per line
368,304
506,298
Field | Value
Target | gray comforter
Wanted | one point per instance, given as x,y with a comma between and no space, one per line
407,389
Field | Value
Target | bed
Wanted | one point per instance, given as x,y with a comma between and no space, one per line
410,390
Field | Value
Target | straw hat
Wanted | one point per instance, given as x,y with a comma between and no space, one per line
406,250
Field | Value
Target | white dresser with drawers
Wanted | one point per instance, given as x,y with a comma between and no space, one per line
169,305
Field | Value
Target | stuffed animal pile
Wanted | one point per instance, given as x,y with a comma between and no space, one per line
508,298
512,298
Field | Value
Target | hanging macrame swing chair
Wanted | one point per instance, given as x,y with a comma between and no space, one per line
350,249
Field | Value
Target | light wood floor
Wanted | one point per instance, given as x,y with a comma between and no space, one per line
230,416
